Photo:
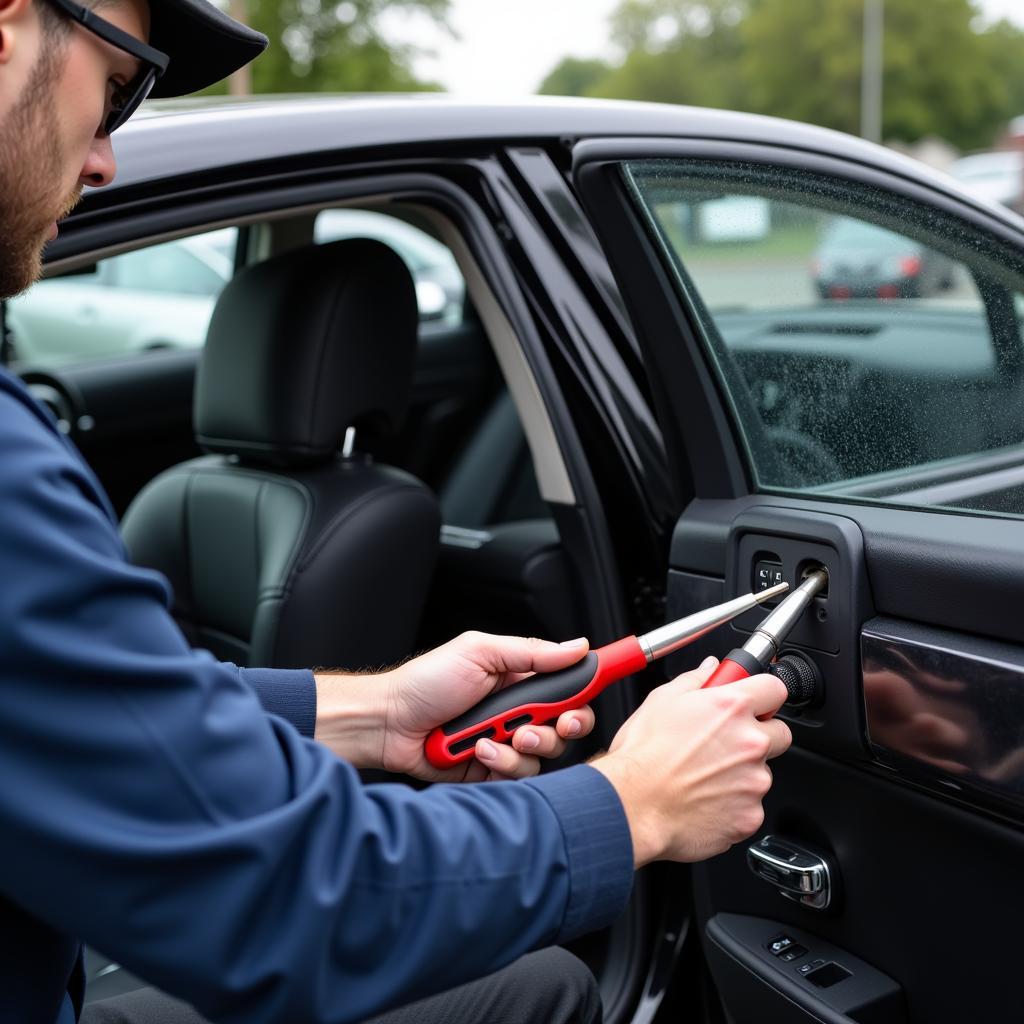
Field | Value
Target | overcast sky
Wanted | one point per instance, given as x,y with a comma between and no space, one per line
506,48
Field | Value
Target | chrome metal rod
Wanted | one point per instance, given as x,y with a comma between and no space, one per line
766,641
671,637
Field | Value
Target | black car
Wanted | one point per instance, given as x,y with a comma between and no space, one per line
641,403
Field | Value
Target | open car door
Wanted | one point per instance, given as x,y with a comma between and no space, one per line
834,347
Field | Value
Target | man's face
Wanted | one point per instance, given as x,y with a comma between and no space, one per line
54,94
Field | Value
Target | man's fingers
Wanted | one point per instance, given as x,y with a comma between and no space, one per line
521,653
574,725
779,737
501,759
538,741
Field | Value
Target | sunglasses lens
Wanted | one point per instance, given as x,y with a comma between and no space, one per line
131,100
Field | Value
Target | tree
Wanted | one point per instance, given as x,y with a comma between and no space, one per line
677,51
688,53
326,45
801,59
1006,58
573,77
938,72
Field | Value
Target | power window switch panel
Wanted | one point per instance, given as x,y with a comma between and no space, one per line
767,574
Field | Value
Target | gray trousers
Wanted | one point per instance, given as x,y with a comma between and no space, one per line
547,987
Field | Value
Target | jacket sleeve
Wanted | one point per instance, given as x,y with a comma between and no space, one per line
150,806
287,692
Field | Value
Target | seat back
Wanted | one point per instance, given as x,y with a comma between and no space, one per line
280,550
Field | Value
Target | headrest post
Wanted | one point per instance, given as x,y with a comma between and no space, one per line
350,443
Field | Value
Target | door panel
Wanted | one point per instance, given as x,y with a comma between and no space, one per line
908,776
904,827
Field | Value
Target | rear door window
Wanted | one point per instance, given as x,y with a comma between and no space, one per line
867,346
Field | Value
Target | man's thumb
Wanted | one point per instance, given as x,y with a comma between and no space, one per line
697,677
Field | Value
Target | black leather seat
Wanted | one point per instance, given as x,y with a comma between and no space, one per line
280,551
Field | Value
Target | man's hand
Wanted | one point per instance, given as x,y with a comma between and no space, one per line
690,765
383,720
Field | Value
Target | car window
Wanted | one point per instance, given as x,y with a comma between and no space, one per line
440,289
177,268
869,347
154,298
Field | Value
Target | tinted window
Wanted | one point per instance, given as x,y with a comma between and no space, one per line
868,347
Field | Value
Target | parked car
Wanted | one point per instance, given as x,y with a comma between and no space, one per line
625,420
857,259
997,177
160,297
163,296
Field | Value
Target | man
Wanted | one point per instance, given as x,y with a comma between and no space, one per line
150,804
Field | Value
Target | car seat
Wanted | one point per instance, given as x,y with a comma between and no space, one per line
283,549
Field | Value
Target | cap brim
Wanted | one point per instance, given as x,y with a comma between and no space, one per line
203,43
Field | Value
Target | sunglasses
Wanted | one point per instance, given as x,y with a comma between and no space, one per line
126,98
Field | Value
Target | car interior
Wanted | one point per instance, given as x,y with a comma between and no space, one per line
459,432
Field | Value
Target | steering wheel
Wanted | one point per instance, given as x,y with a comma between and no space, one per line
803,461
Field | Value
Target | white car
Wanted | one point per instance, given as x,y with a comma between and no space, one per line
155,298
997,177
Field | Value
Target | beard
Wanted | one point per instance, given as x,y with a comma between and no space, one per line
31,172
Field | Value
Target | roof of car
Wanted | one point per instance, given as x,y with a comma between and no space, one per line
172,137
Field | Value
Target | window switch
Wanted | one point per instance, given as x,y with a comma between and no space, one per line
767,574
793,953
779,944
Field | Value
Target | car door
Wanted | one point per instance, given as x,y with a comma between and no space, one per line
822,409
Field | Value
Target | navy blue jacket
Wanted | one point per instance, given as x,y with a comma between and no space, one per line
153,808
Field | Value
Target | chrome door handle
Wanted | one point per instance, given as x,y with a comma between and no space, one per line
799,872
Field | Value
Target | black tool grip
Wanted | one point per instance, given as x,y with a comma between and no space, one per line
543,688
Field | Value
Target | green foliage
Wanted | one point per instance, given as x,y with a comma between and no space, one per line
325,45
801,59
573,77
937,75
1005,56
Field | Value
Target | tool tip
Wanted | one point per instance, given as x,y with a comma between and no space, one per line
767,595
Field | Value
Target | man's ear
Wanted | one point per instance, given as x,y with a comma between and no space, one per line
14,15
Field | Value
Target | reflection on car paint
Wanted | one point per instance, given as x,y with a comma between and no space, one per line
952,716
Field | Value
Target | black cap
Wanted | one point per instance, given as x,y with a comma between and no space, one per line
203,43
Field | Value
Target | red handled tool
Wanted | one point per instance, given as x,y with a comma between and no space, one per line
766,641
545,696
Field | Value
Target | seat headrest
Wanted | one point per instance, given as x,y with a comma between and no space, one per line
303,346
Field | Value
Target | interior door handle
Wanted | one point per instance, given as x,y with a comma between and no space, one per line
799,872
